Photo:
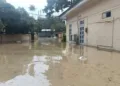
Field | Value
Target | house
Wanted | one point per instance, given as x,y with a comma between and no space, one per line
95,22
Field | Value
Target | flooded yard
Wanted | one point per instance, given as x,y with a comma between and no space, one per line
57,64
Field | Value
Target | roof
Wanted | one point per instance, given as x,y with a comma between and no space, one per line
65,13
47,30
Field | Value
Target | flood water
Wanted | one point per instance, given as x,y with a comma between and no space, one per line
51,63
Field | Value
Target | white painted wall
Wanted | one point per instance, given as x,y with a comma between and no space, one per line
100,32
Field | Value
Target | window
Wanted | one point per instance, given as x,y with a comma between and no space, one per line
82,22
82,32
106,14
81,28
70,26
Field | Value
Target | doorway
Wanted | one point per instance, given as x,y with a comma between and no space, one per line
82,32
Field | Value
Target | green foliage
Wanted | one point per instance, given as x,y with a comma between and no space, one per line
53,23
58,5
32,8
16,21
58,25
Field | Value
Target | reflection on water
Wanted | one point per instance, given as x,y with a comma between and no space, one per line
51,63
96,68
39,79
26,64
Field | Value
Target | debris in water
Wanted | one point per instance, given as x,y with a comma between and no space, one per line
82,58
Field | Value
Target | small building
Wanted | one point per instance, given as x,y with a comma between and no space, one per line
46,33
95,22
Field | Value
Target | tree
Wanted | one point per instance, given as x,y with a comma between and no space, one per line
53,23
23,13
32,8
58,5
58,25
15,20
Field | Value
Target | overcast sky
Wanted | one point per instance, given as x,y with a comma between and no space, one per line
39,4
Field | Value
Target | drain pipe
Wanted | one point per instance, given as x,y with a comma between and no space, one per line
113,33
78,42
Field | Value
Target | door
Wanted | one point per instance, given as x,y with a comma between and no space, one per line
82,32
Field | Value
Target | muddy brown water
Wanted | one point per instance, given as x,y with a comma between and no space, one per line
57,64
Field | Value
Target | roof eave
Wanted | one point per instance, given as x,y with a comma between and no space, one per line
80,4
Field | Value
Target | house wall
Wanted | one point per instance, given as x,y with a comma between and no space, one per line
67,32
73,22
100,32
